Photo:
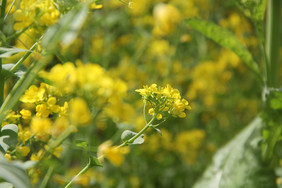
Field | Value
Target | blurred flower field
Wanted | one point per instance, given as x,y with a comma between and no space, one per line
140,94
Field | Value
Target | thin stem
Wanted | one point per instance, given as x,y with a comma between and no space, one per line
81,172
273,42
12,4
47,177
14,68
2,84
2,79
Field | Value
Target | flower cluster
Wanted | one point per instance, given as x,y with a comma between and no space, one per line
41,13
164,99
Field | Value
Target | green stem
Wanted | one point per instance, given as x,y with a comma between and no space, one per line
2,84
3,9
14,68
2,79
273,42
121,145
77,175
47,177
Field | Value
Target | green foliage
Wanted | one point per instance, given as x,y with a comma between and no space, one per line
127,135
238,165
8,137
7,52
272,132
13,173
226,39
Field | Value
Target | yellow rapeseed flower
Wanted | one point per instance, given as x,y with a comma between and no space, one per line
114,154
79,112
164,99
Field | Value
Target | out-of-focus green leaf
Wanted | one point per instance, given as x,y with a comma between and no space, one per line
8,52
67,29
252,8
238,164
13,174
9,136
226,39
6,185
6,70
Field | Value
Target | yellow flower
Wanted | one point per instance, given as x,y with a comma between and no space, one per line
114,154
79,112
23,150
166,17
164,99
23,135
26,114
41,127
33,94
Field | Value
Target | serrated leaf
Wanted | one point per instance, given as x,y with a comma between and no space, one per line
8,52
94,161
225,39
82,144
238,164
13,174
9,137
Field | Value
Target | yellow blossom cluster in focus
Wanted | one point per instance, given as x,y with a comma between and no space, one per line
164,99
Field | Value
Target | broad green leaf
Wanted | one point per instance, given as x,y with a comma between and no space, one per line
94,161
239,164
8,52
6,185
226,39
9,136
13,174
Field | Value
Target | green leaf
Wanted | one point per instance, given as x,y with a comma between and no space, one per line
158,130
6,185
225,39
139,140
6,70
252,8
8,52
127,135
67,29
82,144
9,136
13,174
239,164
94,161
